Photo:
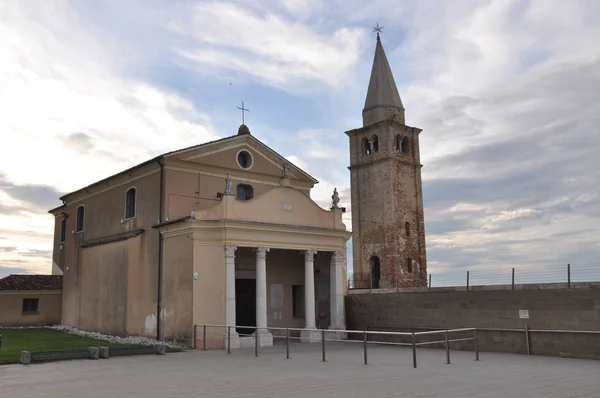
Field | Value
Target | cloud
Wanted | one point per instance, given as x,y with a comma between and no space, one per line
8,249
268,46
34,196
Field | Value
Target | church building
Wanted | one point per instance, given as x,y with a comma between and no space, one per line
222,233
226,233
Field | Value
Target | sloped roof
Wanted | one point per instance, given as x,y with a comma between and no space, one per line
65,197
31,282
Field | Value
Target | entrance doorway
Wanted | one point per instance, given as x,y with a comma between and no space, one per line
245,305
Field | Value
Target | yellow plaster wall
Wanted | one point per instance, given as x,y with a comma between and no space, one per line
177,287
49,308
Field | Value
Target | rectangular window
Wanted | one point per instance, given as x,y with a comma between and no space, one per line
298,301
30,306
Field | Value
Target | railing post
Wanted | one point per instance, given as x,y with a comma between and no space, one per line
256,341
414,349
476,344
323,344
527,339
429,285
194,337
467,281
513,279
229,339
447,348
568,276
365,345
204,337
287,343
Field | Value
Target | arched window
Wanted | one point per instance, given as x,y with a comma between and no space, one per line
130,203
366,146
63,229
409,265
80,218
407,228
375,272
375,143
404,145
244,192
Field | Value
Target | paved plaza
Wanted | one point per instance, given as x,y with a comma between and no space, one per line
389,374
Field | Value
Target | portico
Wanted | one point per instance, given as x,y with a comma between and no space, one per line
281,245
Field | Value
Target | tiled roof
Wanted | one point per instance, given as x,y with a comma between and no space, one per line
31,282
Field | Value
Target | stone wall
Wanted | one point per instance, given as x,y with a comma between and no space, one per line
560,309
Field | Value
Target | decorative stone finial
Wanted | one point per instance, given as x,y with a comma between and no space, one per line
335,199
227,184
243,130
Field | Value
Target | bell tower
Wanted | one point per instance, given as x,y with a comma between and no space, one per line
388,228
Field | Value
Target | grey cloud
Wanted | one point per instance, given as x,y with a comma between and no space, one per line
79,142
37,253
7,249
40,197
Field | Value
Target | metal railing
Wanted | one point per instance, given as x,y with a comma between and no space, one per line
567,275
286,334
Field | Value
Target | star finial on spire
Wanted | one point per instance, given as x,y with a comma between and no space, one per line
377,29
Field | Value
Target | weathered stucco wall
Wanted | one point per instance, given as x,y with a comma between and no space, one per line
49,308
178,287
547,309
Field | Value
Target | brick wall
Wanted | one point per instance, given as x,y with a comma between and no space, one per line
560,309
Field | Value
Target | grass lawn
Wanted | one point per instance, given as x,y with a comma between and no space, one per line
16,340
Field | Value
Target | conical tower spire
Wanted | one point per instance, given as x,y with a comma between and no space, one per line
383,100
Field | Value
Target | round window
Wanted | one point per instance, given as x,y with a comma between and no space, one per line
244,159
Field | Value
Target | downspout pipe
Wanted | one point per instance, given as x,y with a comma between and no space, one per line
159,295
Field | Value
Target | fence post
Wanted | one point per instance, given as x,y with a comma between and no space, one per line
476,345
255,342
287,343
365,344
204,337
229,339
323,344
568,276
194,333
414,348
513,279
527,339
429,285
447,349
467,281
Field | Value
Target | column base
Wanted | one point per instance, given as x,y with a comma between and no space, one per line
234,339
265,338
310,336
336,333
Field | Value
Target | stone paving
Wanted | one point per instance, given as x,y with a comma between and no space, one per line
240,374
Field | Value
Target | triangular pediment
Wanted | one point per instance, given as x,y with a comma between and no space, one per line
226,154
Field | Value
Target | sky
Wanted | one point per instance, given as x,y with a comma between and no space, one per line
507,93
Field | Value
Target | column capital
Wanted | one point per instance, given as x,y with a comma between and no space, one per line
336,257
261,252
230,251
309,255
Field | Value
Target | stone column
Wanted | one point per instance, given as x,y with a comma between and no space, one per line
266,338
230,296
309,299
336,298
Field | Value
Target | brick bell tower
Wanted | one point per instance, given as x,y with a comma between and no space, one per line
388,228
